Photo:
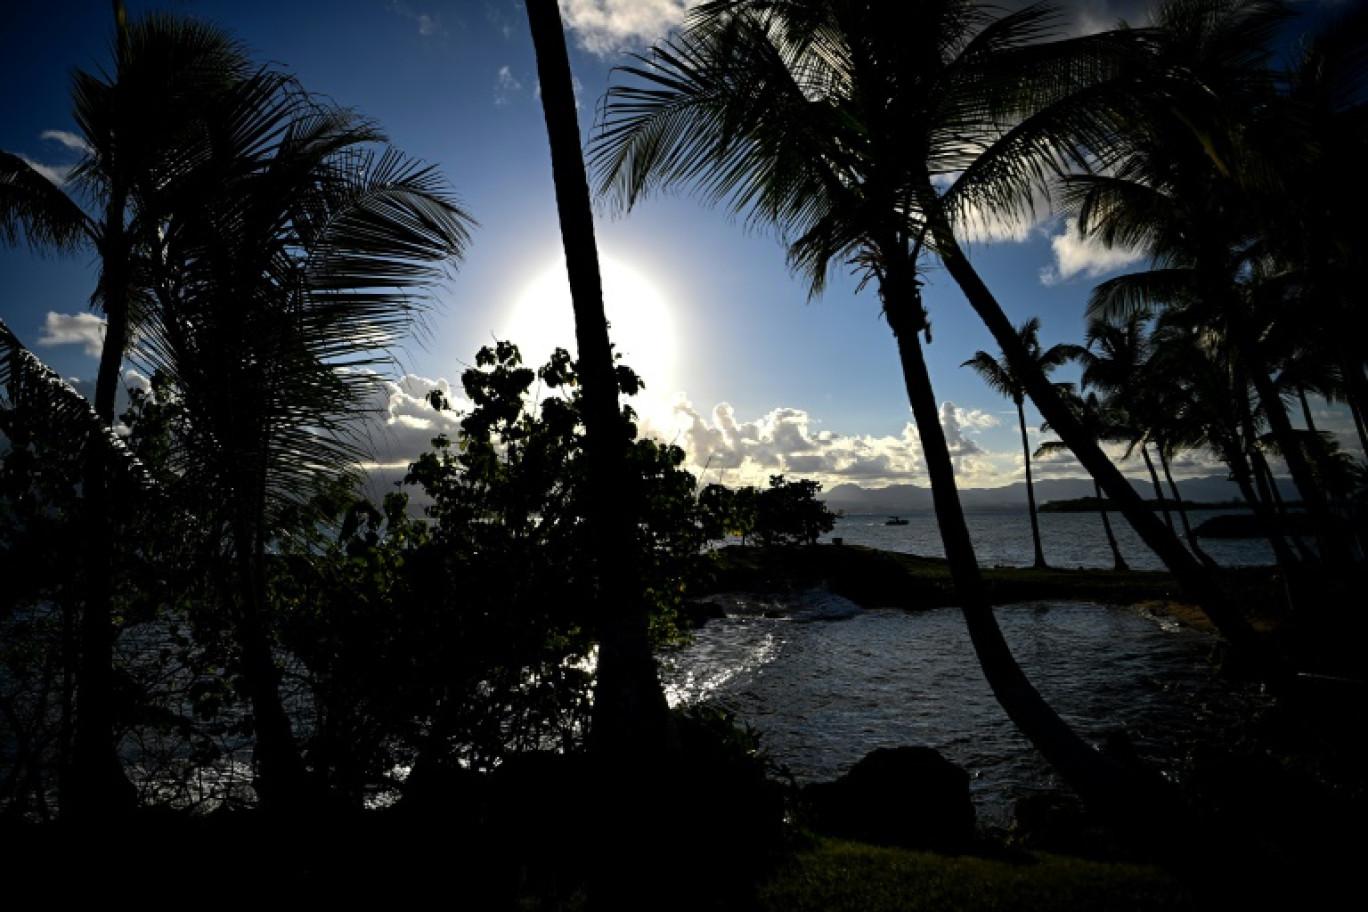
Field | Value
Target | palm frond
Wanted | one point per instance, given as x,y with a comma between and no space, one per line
36,211
36,401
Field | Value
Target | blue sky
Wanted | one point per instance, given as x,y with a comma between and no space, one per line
742,370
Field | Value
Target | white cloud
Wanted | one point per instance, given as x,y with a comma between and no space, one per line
68,139
73,329
607,27
723,448
408,422
1075,254
506,85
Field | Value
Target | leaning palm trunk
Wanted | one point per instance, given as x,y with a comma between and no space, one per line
1100,781
1030,490
1191,574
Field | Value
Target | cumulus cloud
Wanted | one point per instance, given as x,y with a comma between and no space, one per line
607,27
721,447
73,329
1075,255
407,421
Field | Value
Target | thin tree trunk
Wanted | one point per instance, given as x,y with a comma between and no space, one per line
1183,518
1158,488
1118,562
1190,573
1030,489
1334,550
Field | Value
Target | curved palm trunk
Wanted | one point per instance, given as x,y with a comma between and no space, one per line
630,716
1100,781
1118,562
1030,489
1190,573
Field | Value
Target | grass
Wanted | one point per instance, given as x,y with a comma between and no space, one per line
834,875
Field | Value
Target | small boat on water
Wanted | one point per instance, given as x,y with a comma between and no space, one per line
895,521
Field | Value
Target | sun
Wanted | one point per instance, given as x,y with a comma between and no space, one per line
641,328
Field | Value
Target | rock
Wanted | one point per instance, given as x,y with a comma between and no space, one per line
903,796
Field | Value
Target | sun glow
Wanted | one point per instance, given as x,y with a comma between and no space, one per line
641,328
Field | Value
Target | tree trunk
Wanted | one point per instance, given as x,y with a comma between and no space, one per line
1158,488
1030,490
1118,562
1099,780
96,785
281,780
1183,518
630,714
1190,573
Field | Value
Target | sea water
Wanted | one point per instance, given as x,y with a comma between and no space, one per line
1069,540
824,681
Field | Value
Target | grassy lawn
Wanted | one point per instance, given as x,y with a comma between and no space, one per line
833,876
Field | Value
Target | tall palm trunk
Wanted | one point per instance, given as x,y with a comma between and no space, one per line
1195,579
630,714
96,784
1030,489
1097,779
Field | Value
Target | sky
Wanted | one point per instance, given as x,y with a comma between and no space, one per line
744,371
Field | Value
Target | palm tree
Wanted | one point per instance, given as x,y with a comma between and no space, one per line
275,302
835,121
142,127
274,259
842,144
630,713
1001,379
1189,182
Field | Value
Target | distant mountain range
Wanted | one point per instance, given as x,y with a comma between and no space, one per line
910,498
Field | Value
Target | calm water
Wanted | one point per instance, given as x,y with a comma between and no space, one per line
825,681
1069,539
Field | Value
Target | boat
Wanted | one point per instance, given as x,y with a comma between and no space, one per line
895,521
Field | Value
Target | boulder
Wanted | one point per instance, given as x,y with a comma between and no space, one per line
900,796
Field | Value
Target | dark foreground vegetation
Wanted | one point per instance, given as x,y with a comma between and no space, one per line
1275,802
225,675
